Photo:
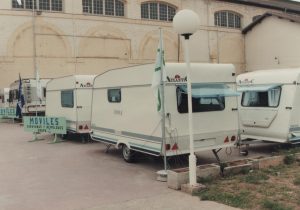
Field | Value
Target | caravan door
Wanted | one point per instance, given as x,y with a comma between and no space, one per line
263,113
83,109
259,105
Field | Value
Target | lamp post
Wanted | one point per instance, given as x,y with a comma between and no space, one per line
186,23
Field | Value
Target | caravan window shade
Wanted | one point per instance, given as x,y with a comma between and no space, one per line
210,90
267,98
205,97
257,88
67,98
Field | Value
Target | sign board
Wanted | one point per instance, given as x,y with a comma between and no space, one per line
55,125
8,113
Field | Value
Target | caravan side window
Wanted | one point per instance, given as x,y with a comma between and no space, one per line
200,104
268,98
114,95
67,98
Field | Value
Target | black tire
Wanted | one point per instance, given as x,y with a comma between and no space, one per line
65,136
128,154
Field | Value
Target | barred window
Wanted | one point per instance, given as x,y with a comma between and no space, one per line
163,11
98,7
109,7
45,5
145,11
56,5
171,13
104,7
15,4
119,8
157,11
228,19
153,11
87,6
28,4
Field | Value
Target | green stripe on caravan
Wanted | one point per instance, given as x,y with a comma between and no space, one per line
159,101
146,147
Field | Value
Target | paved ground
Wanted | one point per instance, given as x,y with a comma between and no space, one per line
72,175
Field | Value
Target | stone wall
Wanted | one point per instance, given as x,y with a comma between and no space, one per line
75,43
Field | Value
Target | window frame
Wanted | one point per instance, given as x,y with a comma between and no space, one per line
278,104
200,111
61,97
26,5
146,6
219,20
103,9
109,97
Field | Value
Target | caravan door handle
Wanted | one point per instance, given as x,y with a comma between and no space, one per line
234,109
79,107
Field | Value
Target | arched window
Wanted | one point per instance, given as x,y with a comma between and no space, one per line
157,11
103,7
45,5
227,19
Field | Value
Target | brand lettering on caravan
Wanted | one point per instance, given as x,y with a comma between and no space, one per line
87,85
177,78
246,81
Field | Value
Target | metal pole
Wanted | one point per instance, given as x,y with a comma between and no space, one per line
163,121
34,49
192,157
34,59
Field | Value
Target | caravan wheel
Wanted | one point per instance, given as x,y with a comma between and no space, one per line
128,154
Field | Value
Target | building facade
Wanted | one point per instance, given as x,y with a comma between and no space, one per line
273,42
65,37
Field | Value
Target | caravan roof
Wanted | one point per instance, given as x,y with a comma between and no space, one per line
71,82
175,73
276,76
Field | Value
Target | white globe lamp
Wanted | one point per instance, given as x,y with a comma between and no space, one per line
186,22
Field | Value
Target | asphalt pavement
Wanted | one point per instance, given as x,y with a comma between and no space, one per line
72,175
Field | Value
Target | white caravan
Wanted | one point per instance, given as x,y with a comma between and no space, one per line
71,97
124,109
4,97
32,104
269,107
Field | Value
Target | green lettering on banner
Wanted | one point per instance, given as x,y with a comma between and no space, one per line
54,125
7,112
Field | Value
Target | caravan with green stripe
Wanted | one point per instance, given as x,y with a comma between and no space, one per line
125,112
